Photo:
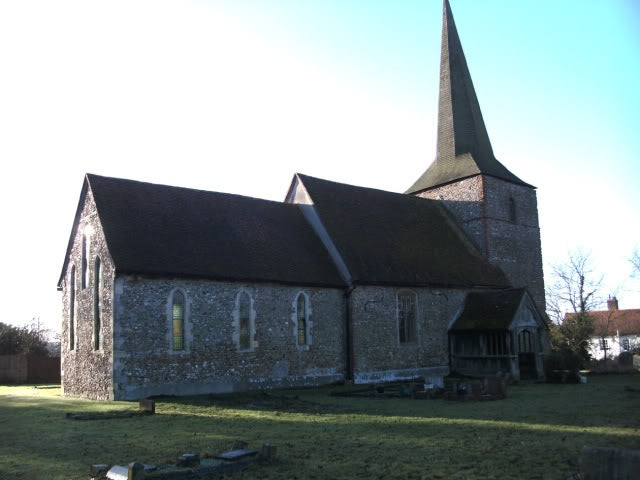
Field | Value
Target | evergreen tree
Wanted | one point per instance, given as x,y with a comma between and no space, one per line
30,339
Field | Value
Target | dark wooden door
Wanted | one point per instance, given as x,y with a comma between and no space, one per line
527,363
527,356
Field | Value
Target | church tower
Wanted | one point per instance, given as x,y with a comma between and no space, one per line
497,209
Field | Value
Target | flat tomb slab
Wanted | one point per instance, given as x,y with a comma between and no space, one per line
237,454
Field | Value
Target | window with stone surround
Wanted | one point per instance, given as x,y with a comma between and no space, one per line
302,320
407,303
84,260
513,217
244,322
72,308
97,305
177,320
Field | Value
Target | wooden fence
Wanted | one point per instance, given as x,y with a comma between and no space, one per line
25,368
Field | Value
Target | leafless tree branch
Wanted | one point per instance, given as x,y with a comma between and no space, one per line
575,285
635,263
573,291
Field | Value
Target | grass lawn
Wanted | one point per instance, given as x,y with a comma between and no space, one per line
536,433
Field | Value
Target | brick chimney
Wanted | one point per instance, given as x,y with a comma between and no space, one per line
612,303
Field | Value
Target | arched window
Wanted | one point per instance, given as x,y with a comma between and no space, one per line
407,316
244,320
177,319
72,309
302,320
512,210
97,306
84,265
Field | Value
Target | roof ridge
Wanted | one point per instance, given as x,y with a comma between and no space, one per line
614,311
89,176
390,237
162,229
371,189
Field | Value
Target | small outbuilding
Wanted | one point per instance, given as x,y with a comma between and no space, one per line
499,331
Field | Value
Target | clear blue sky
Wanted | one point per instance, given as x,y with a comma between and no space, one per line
238,96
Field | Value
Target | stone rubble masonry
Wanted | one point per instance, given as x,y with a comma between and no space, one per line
481,205
137,360
378,354
87,372
464,200
145,364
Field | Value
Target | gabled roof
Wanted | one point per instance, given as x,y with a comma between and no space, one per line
393,238
496,310
164,230
463,147
490,310
615,322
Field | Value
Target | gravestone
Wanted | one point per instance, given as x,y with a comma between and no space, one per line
268,452
147,405
240,445
235,455
188,460
496,386
598,463
133,471
98,469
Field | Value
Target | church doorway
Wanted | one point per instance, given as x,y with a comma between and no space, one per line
527,356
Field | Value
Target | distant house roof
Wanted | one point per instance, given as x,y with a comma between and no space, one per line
398,239
159,229
490,310
614,322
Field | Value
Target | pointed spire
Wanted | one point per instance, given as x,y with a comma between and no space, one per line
463,147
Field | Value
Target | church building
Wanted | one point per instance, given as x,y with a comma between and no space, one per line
176,291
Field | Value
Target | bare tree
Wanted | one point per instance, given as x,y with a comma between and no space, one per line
635,263
570,297
576,285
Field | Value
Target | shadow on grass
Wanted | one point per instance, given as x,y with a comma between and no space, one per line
590,405
537,432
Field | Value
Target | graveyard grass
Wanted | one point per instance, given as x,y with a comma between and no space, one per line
537,432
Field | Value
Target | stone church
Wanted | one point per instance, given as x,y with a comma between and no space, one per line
176,291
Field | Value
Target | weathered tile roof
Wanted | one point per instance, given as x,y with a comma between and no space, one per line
490,310
463,147
159,229
398,239
614,322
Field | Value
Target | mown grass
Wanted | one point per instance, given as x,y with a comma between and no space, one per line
536,433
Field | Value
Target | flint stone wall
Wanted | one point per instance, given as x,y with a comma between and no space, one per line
464,200
378,354
146,365
481,205
85,371
515,245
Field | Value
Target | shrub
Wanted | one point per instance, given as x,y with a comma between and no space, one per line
625,359
562,366
22,340
564,360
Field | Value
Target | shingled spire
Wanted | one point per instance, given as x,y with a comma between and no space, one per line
463,147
